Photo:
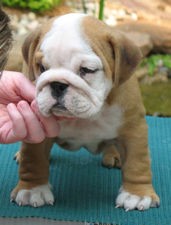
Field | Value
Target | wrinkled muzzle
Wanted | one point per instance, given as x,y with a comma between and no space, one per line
63,93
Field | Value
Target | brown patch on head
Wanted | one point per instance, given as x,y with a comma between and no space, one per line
119,55
38,57
28,50
31,50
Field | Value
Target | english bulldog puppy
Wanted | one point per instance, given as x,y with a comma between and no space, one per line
83,71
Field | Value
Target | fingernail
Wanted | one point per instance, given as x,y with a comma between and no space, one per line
22,105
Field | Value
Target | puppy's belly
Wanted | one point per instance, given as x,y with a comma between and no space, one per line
72,138
91,133
75,144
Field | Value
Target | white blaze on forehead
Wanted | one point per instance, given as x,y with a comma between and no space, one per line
63,40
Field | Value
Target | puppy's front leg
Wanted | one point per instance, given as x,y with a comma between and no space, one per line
137,191
33,187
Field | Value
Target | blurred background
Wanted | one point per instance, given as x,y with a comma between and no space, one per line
146,22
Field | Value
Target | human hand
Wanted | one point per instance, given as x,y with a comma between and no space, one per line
20,119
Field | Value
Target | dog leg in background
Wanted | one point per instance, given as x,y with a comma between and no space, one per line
33,187
137,191
111,157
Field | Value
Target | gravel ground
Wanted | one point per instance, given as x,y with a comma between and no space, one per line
22,23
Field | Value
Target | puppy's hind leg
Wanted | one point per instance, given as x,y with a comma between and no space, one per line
111,157
17,156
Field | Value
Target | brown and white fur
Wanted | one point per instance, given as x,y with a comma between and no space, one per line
83,71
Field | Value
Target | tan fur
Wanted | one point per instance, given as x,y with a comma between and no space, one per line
111,157
119,55
29,50
120,58
34,165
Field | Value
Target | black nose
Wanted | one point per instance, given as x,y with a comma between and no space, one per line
58,89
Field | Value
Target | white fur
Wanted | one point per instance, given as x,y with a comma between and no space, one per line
45,100
63,40
65,51
90,94
130,202
35,197
90,133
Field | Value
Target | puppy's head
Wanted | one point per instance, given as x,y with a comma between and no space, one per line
76,60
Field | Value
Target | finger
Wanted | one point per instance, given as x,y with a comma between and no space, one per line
50,124
19,85
25,87
35,132
18,130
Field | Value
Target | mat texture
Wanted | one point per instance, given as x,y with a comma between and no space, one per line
85,191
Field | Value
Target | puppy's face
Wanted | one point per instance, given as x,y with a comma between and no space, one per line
76,61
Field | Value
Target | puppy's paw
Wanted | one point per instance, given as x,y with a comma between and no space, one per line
17,157
35,197
130,202
111,160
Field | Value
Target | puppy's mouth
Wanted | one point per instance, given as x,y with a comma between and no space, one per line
62,118
59,106
63,114
60,111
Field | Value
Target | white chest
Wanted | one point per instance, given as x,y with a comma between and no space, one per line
90,133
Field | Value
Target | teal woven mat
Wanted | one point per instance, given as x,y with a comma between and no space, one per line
85,191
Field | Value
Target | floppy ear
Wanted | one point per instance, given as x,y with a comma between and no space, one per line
28,51
126,55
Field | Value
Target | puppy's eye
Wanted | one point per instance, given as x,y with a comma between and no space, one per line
84,70
42,68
